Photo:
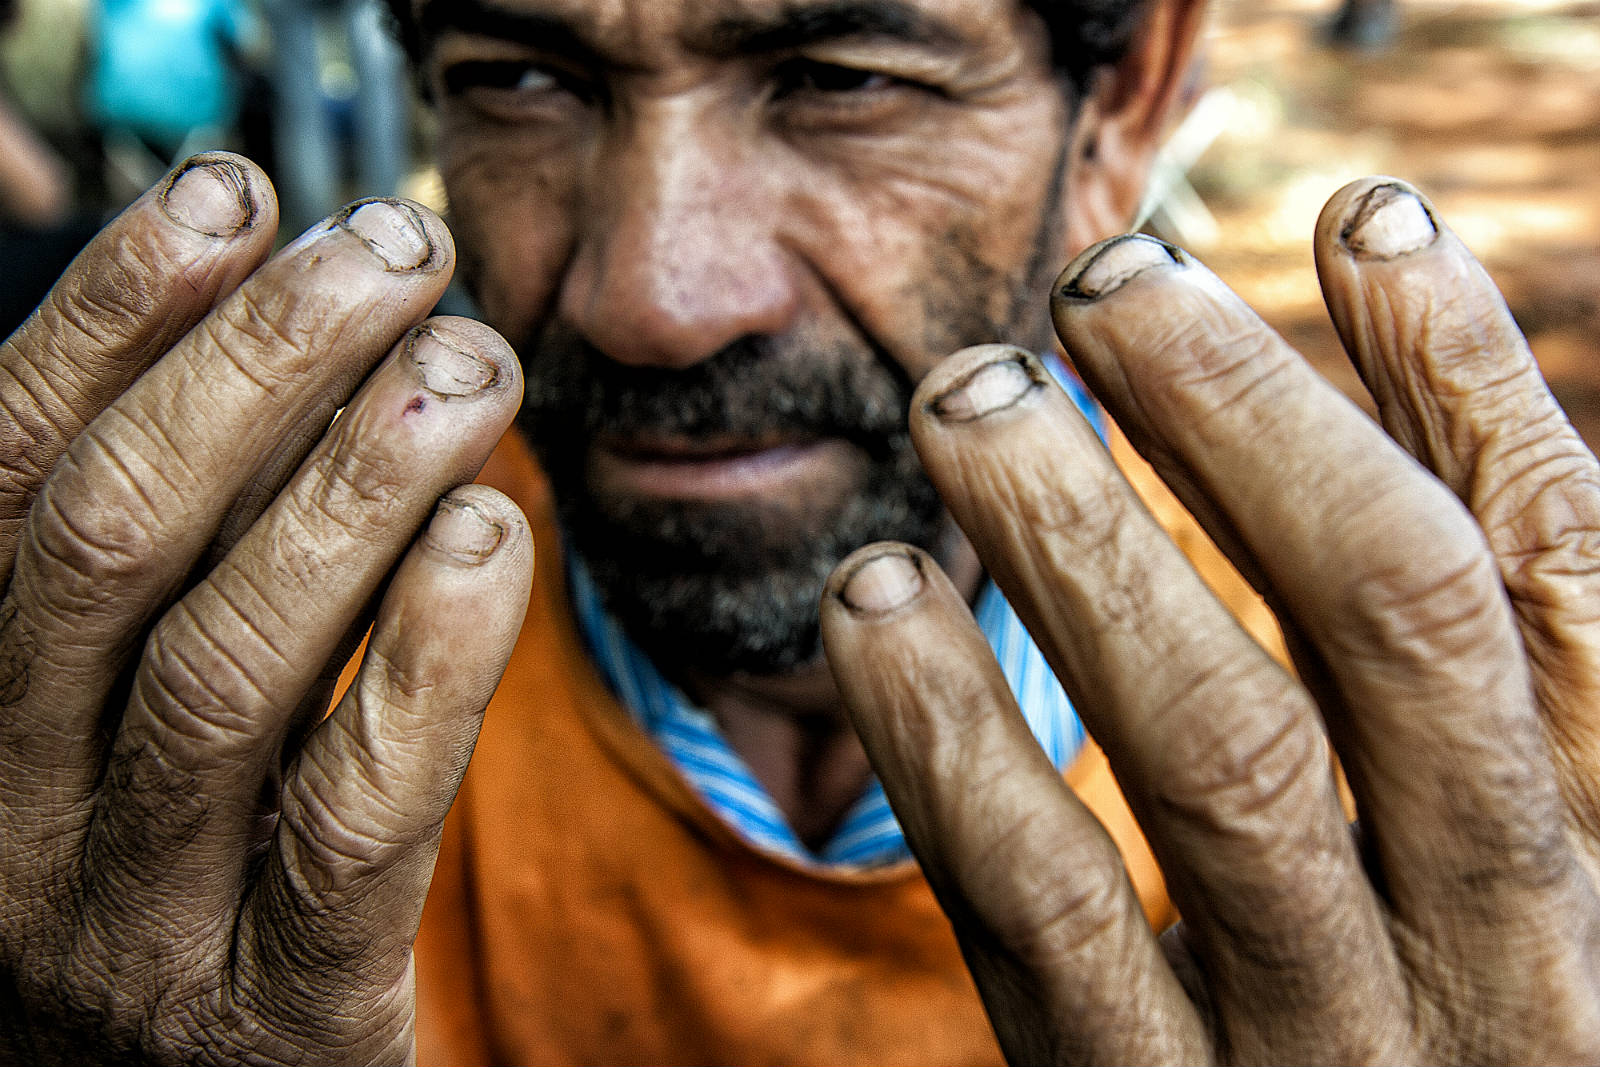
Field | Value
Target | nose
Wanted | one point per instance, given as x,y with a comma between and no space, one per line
679,250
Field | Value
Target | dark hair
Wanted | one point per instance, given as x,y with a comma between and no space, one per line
1084,34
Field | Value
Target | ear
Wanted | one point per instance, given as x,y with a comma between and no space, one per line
1122,118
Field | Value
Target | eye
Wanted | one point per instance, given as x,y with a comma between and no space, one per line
811,76
503,84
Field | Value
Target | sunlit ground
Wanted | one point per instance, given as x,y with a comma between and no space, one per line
1493,109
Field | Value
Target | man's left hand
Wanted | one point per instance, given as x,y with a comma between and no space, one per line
1438,580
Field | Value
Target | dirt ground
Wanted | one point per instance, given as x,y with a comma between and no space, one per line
1493,109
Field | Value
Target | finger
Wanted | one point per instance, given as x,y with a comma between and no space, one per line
1456,385
226,669
1219,750
1380,569
130,506
1047,920
140,285
341,896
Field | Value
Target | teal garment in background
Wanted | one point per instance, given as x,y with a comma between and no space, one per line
161,69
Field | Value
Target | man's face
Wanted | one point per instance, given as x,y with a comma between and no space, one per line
728,237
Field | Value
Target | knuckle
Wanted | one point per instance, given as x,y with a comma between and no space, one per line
148,813
1555,575
1523,458
387,680
206,675
1084,523
350,485
1107,534
1062,919
1539,502
109,304
264,346
276,336
1453,327
1522,847
1227,362
267,318
18,649
1431,607
85,980
303,558
42,418
336,850
74,1012
297,931
1239,776
95,523
1556,579
1086,531
1458,333
20,473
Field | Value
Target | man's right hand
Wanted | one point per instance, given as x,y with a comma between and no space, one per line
193,865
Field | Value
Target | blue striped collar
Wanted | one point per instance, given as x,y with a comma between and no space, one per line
869,835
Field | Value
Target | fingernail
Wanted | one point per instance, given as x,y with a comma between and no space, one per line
394,231
463,532
987,389
446,370
1390,221
1114,264
210,196
882,583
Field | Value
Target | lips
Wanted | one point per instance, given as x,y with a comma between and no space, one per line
711,468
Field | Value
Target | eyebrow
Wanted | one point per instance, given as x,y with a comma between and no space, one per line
794,26
798,25
480,18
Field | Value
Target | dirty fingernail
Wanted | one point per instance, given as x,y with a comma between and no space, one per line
393,230
1103,270
447,370
987,389
210,196
1389,221
882,583
463,532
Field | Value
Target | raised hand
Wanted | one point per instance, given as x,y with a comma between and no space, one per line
194,866
1438,584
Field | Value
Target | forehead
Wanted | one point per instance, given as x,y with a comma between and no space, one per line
642,28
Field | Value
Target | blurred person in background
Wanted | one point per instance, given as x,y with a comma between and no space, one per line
35,182
342,105
1363,25
41,226
164,79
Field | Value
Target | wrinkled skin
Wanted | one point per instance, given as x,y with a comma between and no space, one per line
191,868
194,868
727,240
188,869
827,220
1436,581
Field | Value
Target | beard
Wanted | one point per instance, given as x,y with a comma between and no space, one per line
718,588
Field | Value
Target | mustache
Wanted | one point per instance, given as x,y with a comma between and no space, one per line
756,386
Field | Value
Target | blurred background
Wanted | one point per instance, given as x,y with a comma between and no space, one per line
1491,106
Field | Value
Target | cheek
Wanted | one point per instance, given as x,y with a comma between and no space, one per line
511,212
934,243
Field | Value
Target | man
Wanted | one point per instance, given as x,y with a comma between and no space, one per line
673,210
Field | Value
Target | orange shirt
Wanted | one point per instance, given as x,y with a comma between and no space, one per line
587,906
